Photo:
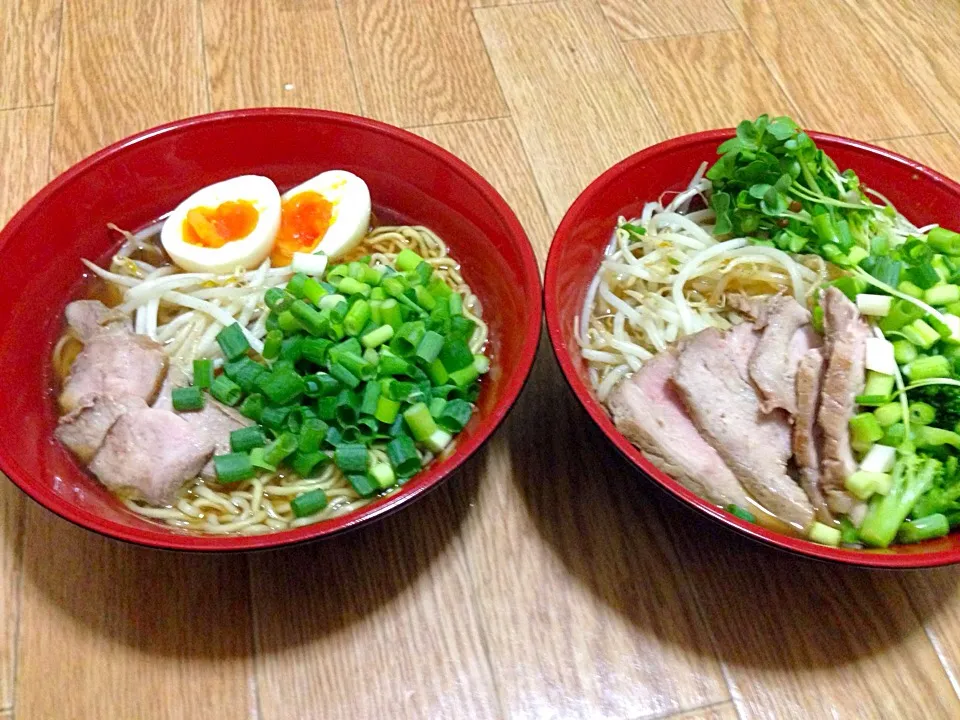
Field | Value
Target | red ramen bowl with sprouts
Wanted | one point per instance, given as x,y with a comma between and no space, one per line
737,313
254,328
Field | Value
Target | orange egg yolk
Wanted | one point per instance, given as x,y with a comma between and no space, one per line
304,220
215,227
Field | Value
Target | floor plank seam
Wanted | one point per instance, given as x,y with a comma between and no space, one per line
14,108
448,123
203,57
350,63
945,131
679,713
255,648
794,105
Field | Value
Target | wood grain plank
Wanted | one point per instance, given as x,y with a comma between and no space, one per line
420,62
805,639
924,44
577,106
940,151
661,18
377,624
110,630
24,145
723,711
493,148
262,53
585,610
117,77
29,33
667,66
864,92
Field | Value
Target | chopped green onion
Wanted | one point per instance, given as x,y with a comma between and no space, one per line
740,512
430,346
288,323
920,333
464,376
424,298
256,459
313,290
274,418
363,484
226,390
455,414
481,363
303,464
344,376
202,373
418,419
456,304
462,327
386,410
247,438
187,399
308,317
922,413
315,349
942,295
924,275
944,240
312,433
407,338
407,259
377,336
908,288
902,313
924,368
356,318
455,355
390,313
233,342
295,285
309,503
281,387
371,398
438,440
233,467
278,300
383,474
291,348
888,414
252,406
280,449
864,431
351,458
272,343
904,351
245,372
437,373
824,535
403,455
351,286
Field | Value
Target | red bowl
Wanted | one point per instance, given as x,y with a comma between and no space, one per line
922,194
136,180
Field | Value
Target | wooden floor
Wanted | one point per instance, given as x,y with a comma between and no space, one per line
546,580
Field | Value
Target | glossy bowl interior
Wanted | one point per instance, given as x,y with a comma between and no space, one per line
920,193
139,179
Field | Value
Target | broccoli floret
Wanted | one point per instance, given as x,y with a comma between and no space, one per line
913,475
945,400
944,496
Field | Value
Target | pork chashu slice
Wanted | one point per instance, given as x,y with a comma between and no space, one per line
806,433
647,409
846,346
712,378
786,336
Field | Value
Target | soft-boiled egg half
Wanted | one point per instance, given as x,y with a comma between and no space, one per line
224,226
329,213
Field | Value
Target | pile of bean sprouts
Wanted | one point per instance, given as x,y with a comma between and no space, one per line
677,278
185,311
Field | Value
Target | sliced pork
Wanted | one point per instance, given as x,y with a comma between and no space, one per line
84,428
773,364
115,364
90,317
649,412
151,452
846,341
214,422
713,380
806,434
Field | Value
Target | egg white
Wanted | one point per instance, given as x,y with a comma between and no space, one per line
350,219
246,253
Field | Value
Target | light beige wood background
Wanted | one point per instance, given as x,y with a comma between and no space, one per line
546,580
